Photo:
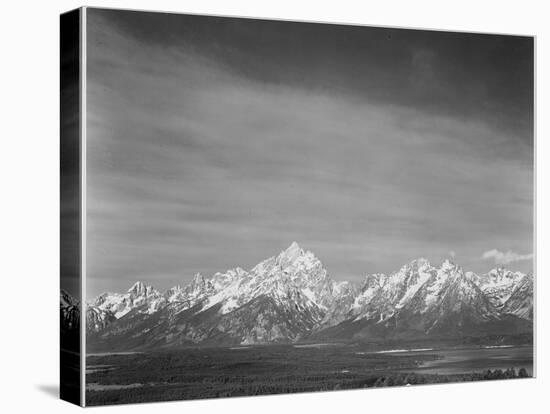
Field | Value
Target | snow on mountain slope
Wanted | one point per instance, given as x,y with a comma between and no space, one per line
499,284
69,322
138,295
381,296
98,319
290,296
451,300
420,288
303,271
295,279
520,301
70,311
420,300
66,300
291,291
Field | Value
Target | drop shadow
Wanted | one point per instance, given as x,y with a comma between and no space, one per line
49,389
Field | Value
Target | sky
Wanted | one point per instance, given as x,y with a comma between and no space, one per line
70,248
216,142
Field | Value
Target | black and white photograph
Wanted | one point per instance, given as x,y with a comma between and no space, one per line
274,207
285,207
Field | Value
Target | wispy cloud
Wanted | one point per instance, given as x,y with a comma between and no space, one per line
504,258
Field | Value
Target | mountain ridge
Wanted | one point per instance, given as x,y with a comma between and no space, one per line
291,297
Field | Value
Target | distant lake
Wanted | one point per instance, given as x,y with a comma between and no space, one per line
462,361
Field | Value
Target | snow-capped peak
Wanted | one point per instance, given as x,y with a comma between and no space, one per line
293,252
66,299
292,294
448,266
417,265
198,278
294,246
175,294
138,288
501,273
139,295
420,262
293,261
499,284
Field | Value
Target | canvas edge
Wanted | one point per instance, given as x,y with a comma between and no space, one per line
535,180
83,175
307,21
71,54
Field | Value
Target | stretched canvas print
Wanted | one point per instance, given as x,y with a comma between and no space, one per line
255,207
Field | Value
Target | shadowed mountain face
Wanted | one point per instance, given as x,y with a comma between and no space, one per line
70,322
290,297
520,301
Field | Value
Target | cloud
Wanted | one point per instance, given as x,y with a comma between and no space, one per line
503,258
452,253
193,165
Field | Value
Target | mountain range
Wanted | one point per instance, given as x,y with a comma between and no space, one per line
291,297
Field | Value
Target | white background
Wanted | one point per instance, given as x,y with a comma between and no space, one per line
29,214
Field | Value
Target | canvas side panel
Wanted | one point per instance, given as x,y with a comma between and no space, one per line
70,204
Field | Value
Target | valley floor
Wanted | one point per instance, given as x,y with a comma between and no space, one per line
196,373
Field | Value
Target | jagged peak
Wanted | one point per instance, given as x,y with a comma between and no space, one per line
140,288
176,288
420,262
415,266
221,277
373,279
237,271
502,271
174,293
66,294
374,275
449,265
290,255
500,275
137,286
293,250
67,299
198,278
294,245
